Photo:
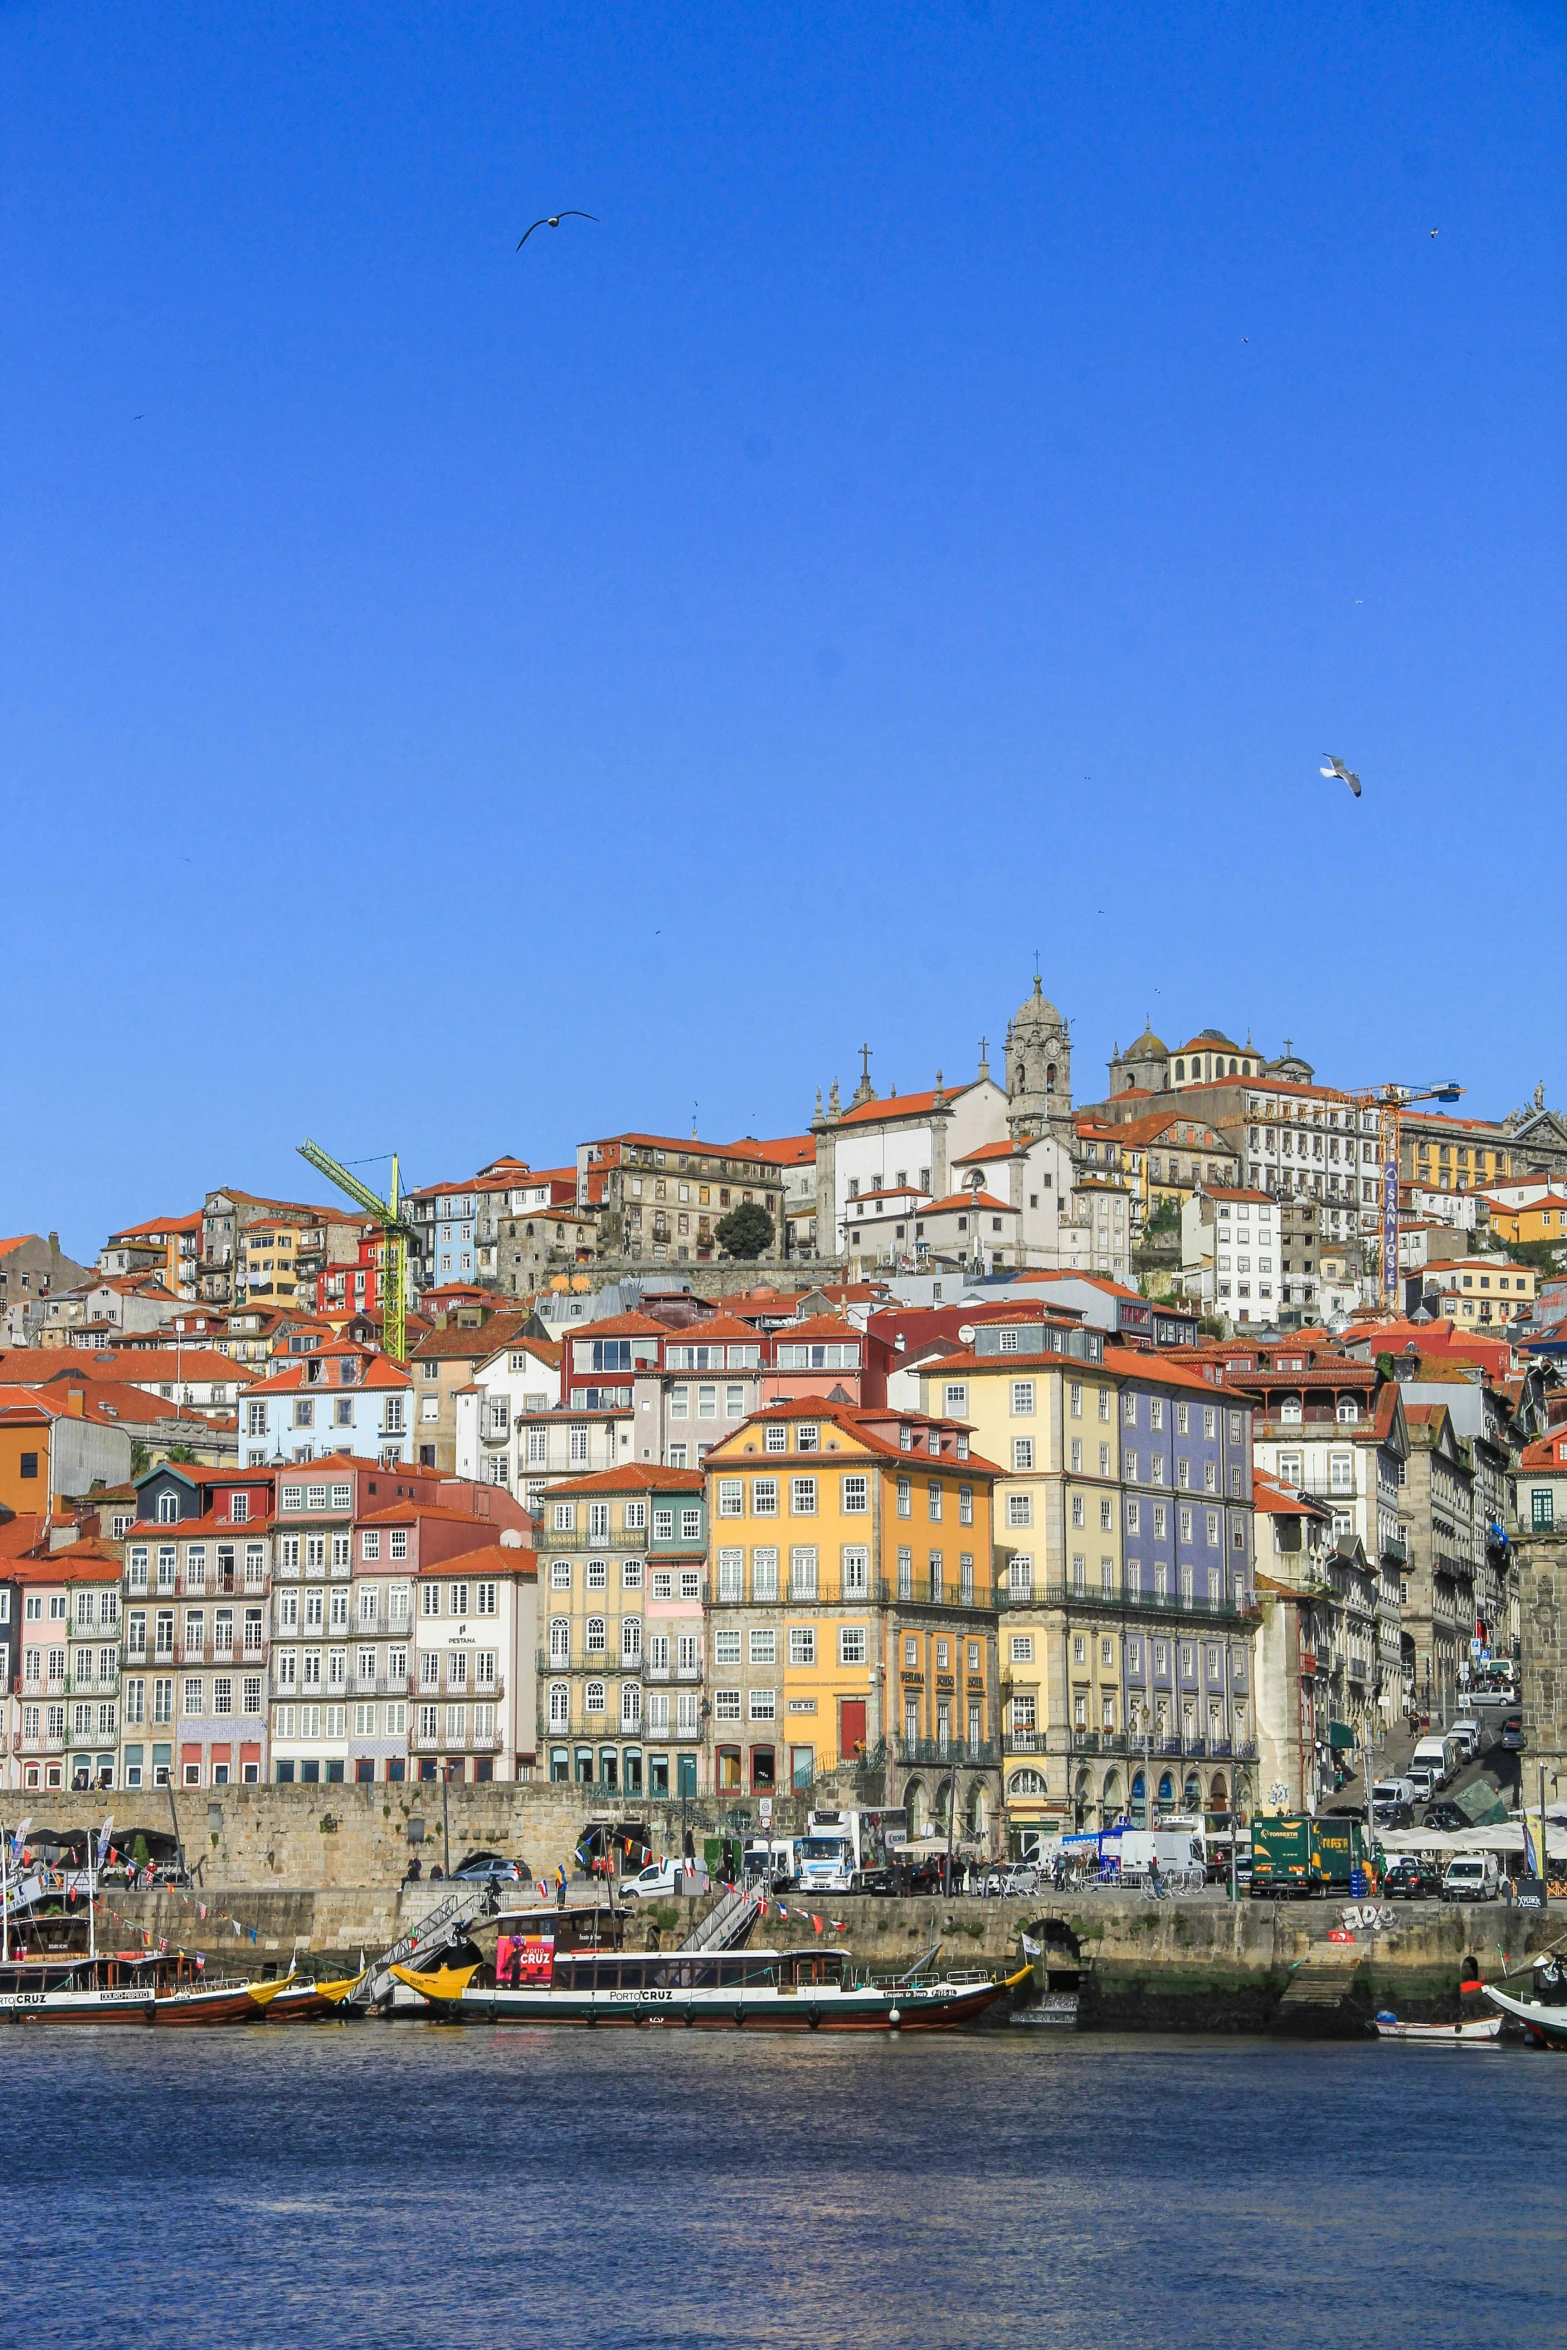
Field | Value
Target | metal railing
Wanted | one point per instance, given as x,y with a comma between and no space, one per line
977,1753
1123,1602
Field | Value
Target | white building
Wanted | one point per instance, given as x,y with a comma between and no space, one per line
520,1378
1230,1253
342,1398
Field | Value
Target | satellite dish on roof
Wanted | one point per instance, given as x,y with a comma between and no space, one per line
966,1333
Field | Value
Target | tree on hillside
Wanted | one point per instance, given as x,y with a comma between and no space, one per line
747,1231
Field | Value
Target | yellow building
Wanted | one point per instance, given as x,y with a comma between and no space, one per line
1477,1290
1543,1219
852,1615
1124,1556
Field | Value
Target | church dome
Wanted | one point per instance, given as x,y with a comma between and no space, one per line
1144,1047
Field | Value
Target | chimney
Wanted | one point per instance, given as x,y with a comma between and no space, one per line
75,1400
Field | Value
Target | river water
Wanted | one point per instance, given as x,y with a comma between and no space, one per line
413,2187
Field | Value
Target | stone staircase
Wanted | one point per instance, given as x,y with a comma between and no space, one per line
1323,1979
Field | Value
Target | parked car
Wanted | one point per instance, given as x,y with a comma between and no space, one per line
1392,1791
1409,1878
1512,1733
1472,1735
1473,1876
1446,1818
1423,1781
489,1868
668,1880
1392,1815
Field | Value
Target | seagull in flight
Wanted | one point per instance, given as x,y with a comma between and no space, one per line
553,220
1337,767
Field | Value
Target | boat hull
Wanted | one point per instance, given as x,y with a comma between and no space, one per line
310,2003
223,2003
938,2007
1483,2033
1546,2026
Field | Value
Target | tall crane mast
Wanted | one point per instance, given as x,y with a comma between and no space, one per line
1390,1099
395,1236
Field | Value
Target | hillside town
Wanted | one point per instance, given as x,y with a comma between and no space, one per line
1023,1462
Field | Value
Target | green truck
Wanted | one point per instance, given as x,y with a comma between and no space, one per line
1293,1853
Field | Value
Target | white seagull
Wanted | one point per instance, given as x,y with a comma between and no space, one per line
1337,767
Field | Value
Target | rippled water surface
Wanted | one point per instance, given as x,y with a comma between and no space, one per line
396,2186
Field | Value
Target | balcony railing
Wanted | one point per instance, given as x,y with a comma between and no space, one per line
828,1592
471,1742
1122,1602
672,1672
1026,1742
964,1753
39,1743
380,1685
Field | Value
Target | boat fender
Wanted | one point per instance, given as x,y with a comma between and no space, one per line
813,2016
690,2015
739,2017
894,2017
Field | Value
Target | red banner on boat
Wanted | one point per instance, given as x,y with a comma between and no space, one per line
524,1959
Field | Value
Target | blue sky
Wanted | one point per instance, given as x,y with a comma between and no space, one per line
463,700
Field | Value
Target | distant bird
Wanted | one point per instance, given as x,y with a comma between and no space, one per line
1245,338
1436,232
1337,767
553,220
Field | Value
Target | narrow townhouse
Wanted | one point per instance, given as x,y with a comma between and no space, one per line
476,1709
194,1602
853,1618
622,1586
68,1654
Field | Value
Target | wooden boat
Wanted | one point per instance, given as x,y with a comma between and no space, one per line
1482,2032
761,1990
1545,2025
127,1987
307,2003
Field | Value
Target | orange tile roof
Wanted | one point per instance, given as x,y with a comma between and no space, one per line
792,1150
457,1340
905,1105
652,1477
495,1558
970,1199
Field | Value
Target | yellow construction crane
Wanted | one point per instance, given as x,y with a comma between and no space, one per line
1390,1099
395,1236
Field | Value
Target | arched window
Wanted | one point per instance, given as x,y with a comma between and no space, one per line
560,1705
593,1698
598,1640
631,1705
168,1508
914,1804
1020,1783
1166,1789
1050,1077
1192,1793
1180,1068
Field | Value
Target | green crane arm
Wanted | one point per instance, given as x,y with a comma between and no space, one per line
359,1193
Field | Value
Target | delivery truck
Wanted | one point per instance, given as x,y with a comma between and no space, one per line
1292,1853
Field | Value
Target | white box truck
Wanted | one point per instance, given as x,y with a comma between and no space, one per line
841,1848
1179,1851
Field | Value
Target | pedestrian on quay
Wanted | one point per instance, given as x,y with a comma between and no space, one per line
1153,1872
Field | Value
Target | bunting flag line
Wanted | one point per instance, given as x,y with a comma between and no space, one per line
840,1925
816,1923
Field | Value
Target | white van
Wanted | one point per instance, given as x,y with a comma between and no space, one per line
1470,1736
1389,1791
1440,1754
667,1880
1474,1876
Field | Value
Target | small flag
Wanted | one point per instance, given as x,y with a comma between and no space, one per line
782,1912
202,1907
839,1925
544,1891
816,1923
